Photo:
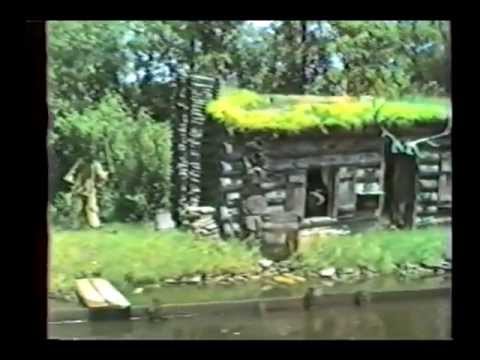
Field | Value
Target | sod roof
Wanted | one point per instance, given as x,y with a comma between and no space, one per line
247,111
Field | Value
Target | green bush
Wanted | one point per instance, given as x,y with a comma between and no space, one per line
135,150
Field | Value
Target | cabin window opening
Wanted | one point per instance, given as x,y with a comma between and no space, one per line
368,191
318,202
367,204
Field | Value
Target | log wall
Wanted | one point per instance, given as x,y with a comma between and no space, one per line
434,192
191,96
255,180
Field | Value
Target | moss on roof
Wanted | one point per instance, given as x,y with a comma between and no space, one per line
247,111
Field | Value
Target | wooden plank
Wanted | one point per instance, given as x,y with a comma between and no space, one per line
298,178
227,181
360,159
346,173
281,217
446,162
317,221
346,193
381,178
445,188
366,159
426,210
427,197
428,184
428,176
297,148
292,226
89,294
332,188
295,201
276,201
372,188
368,175
428,158
346,196
275,209
428,169
272,185
111,295
231,188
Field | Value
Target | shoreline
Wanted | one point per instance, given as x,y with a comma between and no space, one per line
138,312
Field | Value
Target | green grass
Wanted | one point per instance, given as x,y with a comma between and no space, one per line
246,111
134,255
378,250
137,254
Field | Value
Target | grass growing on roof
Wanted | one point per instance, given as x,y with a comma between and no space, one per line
245,111
136,254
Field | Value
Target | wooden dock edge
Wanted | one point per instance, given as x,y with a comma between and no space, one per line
252,305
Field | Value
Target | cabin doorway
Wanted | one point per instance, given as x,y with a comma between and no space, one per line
319,190
400,183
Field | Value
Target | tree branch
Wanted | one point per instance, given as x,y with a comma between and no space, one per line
428,139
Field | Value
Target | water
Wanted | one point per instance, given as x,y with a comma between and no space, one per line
426,317
259,290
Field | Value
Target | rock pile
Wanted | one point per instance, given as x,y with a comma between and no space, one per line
201,221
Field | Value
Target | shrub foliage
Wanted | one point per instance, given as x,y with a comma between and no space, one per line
134,149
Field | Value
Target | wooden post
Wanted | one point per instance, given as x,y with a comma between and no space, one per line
381,199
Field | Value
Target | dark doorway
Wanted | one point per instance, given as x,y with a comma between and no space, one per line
400,184
318,194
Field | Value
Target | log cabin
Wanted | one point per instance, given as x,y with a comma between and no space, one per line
286,167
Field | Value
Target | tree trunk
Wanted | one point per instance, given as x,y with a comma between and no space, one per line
303,49
449,58
192,55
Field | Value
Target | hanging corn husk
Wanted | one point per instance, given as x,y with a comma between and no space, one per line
70,177
91,206
85,179
98,172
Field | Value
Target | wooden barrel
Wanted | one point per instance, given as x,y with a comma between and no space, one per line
279,235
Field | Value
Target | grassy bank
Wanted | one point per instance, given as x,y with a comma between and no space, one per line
380,250
133,255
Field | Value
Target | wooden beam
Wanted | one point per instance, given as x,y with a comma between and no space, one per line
428,185
295,201
381,177
111,295
361,159
429,175
298,148
318,221
89,294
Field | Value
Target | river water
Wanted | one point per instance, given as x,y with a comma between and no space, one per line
423,317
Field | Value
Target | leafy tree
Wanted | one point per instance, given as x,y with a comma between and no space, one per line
386,58
106,76
85,59
135,151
